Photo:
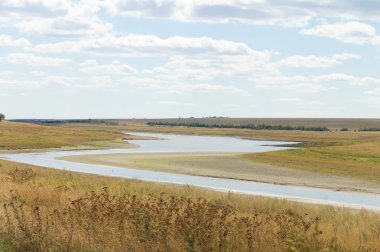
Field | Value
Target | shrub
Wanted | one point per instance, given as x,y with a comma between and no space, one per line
21,175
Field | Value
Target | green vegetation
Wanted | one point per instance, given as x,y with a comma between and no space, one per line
50,210
370,129
55,121
241,126
2,117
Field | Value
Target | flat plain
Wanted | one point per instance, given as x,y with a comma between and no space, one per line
63,211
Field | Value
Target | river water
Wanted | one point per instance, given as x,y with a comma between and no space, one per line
181,143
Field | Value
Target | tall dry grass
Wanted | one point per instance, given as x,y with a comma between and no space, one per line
63,211
102,222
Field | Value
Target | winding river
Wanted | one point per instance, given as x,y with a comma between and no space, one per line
181,143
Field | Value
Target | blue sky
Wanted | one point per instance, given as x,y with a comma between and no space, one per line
147,59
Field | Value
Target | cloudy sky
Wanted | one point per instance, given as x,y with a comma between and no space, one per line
163,58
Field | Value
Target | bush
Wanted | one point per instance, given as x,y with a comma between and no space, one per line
21,175
241,126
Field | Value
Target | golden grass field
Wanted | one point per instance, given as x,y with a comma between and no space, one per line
49,210
23,136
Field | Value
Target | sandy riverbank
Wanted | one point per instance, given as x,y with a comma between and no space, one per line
223,165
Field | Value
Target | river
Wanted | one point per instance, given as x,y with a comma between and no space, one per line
181,143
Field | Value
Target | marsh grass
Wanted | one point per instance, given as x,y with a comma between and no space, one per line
64,211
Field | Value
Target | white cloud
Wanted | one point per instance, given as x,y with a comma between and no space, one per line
92,66
253,11
175,86
207,67
267,12
312,61
230,106
288,99
299,101
92,82
57,18
147,45
19,83
347,79
175,103
40,8
7,40
372,98
350,32
64,27
375,92
34,60
312,83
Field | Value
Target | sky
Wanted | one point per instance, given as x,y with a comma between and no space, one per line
162,58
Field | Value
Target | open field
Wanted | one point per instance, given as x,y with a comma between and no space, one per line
56,210
25,136
355,160
234,166
309,138
334,123
45,208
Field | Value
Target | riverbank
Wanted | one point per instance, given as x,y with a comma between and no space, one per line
226,165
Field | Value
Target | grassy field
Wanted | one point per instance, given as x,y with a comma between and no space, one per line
25,136
49,210
355,160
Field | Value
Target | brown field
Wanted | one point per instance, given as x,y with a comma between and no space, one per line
49,210
331,123
26,136
309,138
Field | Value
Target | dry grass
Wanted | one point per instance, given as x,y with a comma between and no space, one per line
63,211
21,136
356,160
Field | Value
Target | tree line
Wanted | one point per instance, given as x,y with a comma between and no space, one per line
2,117
240,126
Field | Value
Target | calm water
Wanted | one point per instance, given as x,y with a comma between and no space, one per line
180,143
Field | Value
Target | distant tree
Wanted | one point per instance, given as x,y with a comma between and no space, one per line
2,117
